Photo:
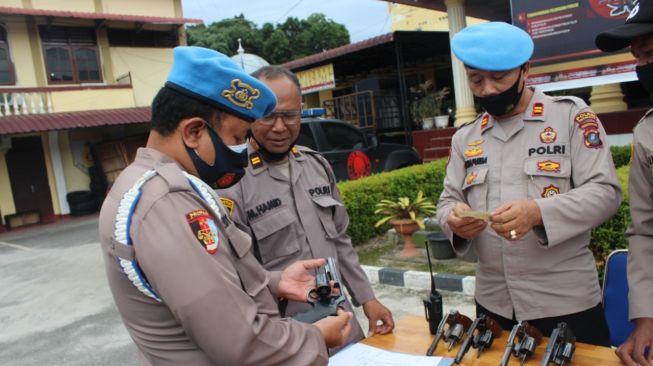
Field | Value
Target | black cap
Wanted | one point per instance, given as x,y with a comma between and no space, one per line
639,23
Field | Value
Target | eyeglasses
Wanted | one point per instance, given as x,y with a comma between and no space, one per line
290,117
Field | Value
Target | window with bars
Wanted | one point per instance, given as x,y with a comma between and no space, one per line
71,54
6,66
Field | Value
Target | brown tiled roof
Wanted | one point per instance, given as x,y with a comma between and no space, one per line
70,120
100,16
338,51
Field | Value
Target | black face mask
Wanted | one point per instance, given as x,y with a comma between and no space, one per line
504,102
271,156
645,76
228,167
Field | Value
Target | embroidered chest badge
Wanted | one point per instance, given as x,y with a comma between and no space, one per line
548,166
204,229
241,94
548,136
474,148
228,204
471,178
550,191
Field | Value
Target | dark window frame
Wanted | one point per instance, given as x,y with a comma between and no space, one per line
4,44
71,45
119,37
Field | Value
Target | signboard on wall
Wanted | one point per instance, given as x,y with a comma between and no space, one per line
563,32
317,78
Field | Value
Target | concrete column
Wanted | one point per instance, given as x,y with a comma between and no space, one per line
607,98
57,167
465,110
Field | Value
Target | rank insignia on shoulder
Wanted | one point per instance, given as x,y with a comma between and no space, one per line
538,110
228,204
473,151
550,191
484,121
204,229
295,151
241,94
255,159
548,166
548,136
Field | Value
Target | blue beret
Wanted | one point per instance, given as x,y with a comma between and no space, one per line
493,46
215,79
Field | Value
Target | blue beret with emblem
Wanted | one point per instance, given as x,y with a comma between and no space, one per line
493,46
215,79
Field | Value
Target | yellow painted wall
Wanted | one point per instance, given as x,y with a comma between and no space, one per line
325,95
7,205
149,68
76,180
72,5
410,18
93,99
12,4
21,54
162,8
311,100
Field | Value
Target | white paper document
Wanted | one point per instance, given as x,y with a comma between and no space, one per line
363,355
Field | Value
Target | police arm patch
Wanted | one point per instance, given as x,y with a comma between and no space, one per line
229,204
204,229
589,124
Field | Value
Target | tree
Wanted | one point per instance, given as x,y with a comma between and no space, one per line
292,39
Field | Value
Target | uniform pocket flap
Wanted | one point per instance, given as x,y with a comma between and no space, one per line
326,201
548,166
272,222
474,177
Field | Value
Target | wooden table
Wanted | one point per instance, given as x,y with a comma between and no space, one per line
411,335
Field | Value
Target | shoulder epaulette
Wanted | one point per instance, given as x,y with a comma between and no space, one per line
305,149
569,98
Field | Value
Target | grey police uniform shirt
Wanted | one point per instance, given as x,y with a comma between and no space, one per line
218,308
556,155
640,232
302,220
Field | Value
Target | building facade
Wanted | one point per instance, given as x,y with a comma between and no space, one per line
76,81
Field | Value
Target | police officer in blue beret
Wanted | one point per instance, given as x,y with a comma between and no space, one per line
540,172
637,32
182,275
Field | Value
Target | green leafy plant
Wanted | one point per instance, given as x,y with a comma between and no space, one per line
428,104
404,209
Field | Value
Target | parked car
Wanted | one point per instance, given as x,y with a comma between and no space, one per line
352,153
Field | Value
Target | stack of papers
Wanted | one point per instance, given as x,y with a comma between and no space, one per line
363,355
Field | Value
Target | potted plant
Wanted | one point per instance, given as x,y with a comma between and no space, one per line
406,217
428,106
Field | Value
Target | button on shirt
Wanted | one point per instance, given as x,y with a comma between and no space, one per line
556,154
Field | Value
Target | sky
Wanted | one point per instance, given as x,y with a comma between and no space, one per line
363,18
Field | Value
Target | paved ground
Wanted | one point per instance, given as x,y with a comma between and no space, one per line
56,308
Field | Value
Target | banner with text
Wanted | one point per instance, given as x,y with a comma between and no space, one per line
317,78
564,30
